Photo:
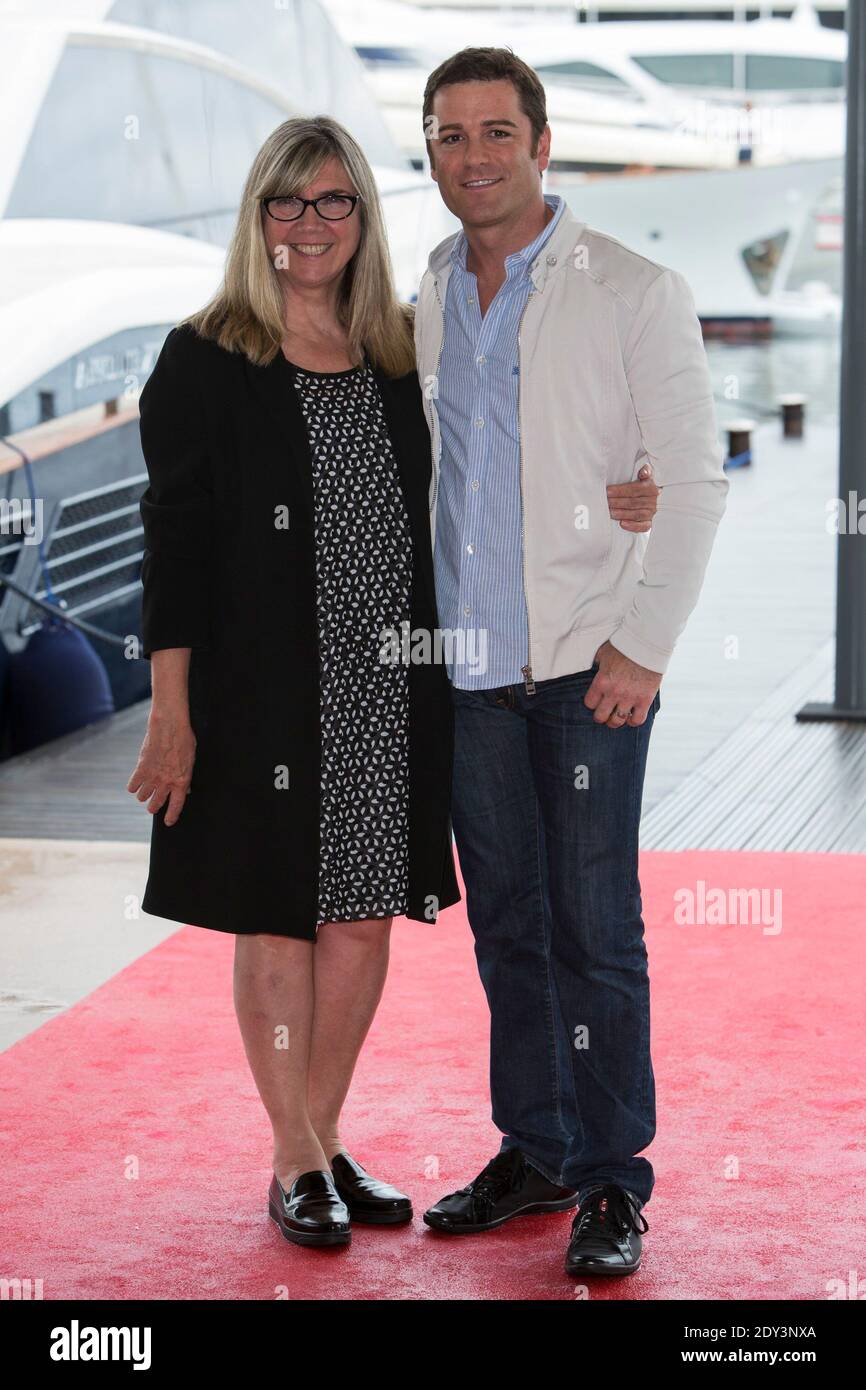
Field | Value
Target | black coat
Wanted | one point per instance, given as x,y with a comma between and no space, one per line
225,446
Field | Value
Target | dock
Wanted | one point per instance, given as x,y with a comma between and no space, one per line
729,766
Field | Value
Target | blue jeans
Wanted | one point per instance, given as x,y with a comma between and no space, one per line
545,808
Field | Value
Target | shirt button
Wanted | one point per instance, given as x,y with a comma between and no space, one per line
470,549
470,299
475,485
481,360
551,260
467,612
479,423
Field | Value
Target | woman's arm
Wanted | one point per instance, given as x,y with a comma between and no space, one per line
169,681
176,511
167,757
176,507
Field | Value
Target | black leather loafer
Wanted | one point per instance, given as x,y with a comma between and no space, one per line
606,1234
509,1186
369,1201
313,1213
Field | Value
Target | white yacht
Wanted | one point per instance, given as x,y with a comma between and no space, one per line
123,149
629,96
198,78
829,12
773,89
760,248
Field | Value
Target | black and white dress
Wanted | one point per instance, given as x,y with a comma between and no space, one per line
363,587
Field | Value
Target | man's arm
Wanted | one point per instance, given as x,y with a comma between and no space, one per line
669,380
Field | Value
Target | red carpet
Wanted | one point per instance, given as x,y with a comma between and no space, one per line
758,1061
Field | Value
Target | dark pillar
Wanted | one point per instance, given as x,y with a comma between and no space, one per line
850,694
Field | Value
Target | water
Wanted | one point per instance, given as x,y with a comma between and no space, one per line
748,378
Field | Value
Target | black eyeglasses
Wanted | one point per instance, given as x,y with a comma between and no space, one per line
332,207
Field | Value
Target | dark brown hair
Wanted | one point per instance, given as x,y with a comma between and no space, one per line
489,65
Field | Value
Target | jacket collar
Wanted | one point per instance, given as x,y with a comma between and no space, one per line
554,252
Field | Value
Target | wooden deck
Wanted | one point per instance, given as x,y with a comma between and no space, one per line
74,788
774,784
729,767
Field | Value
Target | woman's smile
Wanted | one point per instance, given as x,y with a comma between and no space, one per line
306,248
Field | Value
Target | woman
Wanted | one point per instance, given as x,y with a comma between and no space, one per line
298,775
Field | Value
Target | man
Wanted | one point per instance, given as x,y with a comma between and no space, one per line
555,361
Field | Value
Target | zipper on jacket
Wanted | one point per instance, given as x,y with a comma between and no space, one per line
433,411
527,669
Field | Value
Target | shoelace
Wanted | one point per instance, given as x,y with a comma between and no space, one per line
608,1214
502,1174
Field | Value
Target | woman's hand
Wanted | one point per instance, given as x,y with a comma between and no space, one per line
635,504
165,764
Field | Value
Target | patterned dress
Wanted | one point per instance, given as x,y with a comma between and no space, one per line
363,587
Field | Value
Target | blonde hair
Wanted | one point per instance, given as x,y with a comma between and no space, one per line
246,313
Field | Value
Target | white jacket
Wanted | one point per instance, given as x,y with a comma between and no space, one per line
612,372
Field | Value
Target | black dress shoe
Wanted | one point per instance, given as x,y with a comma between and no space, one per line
370,1201
508,1186
605,1234
313,1213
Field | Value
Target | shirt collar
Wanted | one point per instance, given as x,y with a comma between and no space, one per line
519,262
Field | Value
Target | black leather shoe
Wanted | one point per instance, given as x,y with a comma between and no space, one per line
606,1234
313,1213
508,1186
369,1201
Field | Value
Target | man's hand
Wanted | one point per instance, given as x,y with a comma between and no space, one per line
635,504
621,691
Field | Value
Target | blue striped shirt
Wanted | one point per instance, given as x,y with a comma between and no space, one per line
478,557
